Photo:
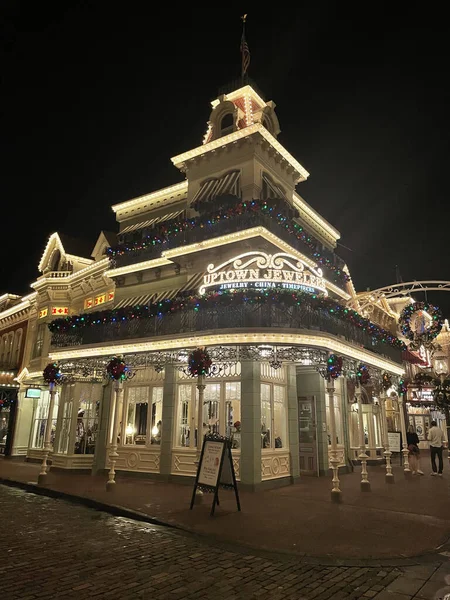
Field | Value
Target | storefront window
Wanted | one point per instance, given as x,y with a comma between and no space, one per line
184,414
279,417
266,416
40,420
221,412
87,422
66,421
144,415
211,404
4,422
273,416
233,413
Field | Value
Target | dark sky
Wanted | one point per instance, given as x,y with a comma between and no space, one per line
97,96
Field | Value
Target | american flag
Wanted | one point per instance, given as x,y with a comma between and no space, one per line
244,50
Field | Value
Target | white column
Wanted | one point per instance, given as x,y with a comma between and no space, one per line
201,392
48,433
336,494
387,453
113,454
405,451
365,483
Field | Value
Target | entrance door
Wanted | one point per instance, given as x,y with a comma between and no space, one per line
307,434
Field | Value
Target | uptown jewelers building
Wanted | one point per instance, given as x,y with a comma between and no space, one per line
233,259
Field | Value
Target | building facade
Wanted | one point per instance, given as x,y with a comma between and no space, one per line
233,259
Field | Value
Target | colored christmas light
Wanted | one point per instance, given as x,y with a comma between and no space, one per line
386,381
334,366
52,373
427,336
363,374
117,369
199,362
324,306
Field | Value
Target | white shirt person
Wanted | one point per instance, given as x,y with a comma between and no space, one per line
436,438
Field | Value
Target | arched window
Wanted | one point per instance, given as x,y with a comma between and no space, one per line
226,124
9,349
17,348
54,261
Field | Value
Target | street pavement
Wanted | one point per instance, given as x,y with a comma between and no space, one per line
53,548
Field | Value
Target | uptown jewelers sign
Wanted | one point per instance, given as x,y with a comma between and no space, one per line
260,270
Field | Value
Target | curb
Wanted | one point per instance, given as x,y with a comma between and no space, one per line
285,555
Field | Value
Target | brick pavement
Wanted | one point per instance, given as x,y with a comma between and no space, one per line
297,519
51,548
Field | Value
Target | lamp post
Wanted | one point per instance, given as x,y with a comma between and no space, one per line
52,375
405,451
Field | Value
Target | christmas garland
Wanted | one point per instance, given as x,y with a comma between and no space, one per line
199,362
437,320
334,366
117,369
226,298
363,374
229,208
402,386
52,373
386,381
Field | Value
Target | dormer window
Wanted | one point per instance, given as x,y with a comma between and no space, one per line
227,124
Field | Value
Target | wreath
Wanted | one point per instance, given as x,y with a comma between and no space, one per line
427,336
386,381
363,374
117,369
334,366
199,362
402,386
52,373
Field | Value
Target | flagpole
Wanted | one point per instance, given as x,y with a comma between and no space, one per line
245,55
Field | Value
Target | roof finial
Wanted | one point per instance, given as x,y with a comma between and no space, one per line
245,53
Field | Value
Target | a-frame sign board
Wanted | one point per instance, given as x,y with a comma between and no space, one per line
215,469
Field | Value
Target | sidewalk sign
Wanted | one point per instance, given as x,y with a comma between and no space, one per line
215,469
394,441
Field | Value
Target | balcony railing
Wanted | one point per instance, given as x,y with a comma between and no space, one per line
219,318
224,227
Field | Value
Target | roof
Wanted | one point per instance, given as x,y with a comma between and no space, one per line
76,246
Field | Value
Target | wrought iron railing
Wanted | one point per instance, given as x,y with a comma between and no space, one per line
224,227
219,318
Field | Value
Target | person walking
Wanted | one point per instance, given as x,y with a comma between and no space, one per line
436,437
414,453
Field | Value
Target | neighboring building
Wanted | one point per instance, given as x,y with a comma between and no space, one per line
231,258
14,317
69,283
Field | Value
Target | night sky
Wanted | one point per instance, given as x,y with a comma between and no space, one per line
97,96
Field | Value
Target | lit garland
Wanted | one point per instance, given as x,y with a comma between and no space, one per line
427,336
363,374
386,381
402,386
52,373
199,362
334,366
229,208
228,298
117,369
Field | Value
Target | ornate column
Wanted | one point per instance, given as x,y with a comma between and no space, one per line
365,483
52,375
43,475
201,394
113,454
336,494
119,372
387,453
405,452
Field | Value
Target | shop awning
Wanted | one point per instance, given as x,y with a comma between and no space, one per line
228,184
414,358
191,285
150,222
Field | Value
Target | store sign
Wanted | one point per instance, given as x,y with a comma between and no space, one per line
260,270
60,311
